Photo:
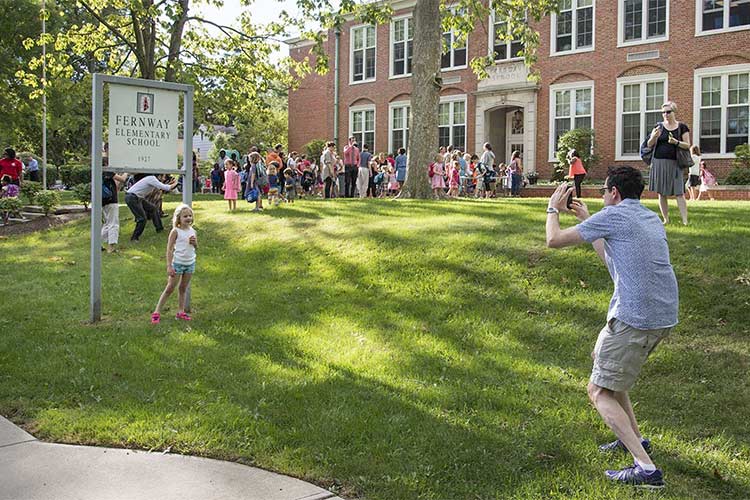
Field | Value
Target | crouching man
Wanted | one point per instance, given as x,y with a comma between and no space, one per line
632,242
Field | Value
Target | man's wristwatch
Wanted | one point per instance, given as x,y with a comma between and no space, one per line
552,210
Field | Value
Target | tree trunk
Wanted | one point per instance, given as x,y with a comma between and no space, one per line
175,40
425,97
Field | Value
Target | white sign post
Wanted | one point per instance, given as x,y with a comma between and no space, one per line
143,128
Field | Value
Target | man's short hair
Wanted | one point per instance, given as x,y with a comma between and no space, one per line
627,180
365,146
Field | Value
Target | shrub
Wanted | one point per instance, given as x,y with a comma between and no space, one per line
742,152
29,190
582,140
75,173
9,205
48,200
741,174
314,149
83,194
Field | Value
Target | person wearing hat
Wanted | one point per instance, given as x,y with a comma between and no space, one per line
11,166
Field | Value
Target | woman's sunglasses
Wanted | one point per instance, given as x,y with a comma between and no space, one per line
667,112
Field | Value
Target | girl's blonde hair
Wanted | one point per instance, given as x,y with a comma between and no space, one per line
178,214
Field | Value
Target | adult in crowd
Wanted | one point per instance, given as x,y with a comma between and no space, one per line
196,175
576,171
11,166
111,184
32,169
340,169
327,160
217,178
136,199
694,178
630,240
488,157
666,176
401,167
515,170
351,164
222,159
363,174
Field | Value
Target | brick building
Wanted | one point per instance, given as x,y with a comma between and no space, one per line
608,65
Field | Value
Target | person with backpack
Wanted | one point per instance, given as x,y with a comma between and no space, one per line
258,180
111,183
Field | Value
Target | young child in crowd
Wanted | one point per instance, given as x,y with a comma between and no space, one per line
438,182
454,179
708,180
273,184
393,184
232,184
181,247
9,190
479,172
290,184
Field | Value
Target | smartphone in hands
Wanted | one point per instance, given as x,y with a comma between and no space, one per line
569,203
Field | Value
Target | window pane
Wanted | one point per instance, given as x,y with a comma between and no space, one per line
398,58
583,101
358,39
397,139
583,122
370,36
739,13
444,114
410,29
516,49
566,5
459,137
711,91
631,98
654,95
737,127
369,120
459,112
370,139
585,27
370,64
631,139
398,118
398,30
459,57
564,31
651,120
500,45
357,121
738,89
710,130
444,136
713,14
409,51
562,103
657,18
445,60
585,3
633,18
562,125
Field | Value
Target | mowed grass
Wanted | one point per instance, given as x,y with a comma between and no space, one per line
384,350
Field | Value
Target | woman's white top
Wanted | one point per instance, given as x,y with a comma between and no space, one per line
696,168
184,252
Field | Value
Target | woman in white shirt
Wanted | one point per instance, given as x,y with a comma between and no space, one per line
694,180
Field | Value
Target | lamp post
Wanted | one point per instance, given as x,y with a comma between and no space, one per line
44,94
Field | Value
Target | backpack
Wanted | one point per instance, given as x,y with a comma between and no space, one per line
431,171
261,176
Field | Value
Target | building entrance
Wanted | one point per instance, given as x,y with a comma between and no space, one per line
505,131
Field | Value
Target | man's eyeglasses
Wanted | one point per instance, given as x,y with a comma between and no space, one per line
667,112
604,189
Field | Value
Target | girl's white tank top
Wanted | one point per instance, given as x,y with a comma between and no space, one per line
184,252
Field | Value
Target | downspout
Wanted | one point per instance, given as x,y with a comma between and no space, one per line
337,34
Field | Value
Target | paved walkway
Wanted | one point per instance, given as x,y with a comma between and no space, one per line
31,469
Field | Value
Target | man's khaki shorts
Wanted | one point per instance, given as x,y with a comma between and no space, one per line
620,353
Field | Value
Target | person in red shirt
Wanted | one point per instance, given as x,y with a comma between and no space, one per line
11,166
576,172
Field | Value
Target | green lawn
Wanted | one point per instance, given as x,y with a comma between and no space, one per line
385,350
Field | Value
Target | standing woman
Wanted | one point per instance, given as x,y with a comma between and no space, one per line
666,176
515,168
401,167
694,180
576,170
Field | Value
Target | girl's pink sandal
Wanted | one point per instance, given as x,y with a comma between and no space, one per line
155,318
184,316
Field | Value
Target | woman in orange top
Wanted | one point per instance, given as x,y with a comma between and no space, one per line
576,170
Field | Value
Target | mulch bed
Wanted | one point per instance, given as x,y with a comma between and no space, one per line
39,224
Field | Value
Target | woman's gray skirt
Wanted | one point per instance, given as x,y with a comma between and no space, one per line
666,178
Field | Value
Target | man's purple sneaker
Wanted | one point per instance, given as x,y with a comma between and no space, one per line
618,445
636,476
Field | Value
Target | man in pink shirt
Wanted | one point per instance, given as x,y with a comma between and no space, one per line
351,164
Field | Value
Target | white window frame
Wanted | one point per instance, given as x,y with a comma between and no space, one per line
410,20
452,99
627,80
452,67
391,107
699,31
553,89
644,26
360,109
491,43
553,33
351,54
723,72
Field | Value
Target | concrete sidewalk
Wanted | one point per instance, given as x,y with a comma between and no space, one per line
31,469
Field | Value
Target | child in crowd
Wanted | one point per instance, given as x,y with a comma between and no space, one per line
479,172
393,184
708,180
232,184
9,190
308,178
290,184
454,178
436,172
181,247
490,177
273,184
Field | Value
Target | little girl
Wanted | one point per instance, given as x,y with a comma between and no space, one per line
393,184
454,179
181,247
438,183
708,180
231,184
273,184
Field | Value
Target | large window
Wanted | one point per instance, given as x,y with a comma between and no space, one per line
725,15
362,126
454,51
639,101
402,34
452,123
642,21
723,104
399,133
502,49
573,26
363,42
571,107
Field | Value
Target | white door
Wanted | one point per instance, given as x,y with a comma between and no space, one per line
513,133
